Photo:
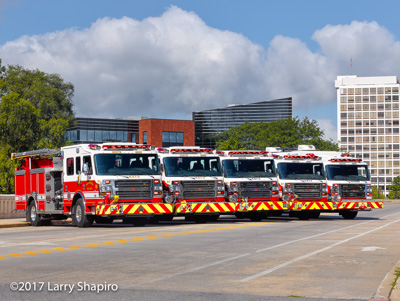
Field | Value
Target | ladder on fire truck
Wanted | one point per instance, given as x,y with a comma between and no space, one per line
45,152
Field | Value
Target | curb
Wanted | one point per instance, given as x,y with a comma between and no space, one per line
14,225
384,291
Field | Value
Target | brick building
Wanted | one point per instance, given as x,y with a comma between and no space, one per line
166,132
157,132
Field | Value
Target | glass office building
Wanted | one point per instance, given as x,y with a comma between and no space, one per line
368,123
214,121
97,130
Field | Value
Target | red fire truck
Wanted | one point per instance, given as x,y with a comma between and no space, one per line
89,183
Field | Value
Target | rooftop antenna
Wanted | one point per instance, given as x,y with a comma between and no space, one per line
351,66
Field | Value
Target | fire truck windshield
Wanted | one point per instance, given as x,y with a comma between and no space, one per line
242,168
306,171
126,164
347,172
192,166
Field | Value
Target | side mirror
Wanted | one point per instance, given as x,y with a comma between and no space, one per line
161,167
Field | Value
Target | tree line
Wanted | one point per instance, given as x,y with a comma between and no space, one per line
35,112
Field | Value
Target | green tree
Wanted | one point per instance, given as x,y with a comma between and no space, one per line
285,133
35,111
394,189
377,193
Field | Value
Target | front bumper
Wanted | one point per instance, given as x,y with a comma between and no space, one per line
250,206
133,209
204,207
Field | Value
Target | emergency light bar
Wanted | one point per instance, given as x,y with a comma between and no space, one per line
121,146
311,157
233,153
186,150
345,160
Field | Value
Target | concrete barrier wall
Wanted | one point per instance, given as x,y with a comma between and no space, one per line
7,206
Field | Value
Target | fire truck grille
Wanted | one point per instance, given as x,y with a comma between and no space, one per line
199,189
255,189
352,191
134,189
308,190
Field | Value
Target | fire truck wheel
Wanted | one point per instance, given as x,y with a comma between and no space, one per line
349,214
33,216
79,218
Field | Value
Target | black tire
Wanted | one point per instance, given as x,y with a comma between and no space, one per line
79,217
349,214
103,220
32,216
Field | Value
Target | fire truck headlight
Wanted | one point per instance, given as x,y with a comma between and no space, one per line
288,188
286,197
105,189
233,187
335,188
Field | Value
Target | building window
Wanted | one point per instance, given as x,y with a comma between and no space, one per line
172,139
133,138
144,137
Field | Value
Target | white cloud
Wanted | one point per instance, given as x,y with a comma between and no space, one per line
172,65
330,131
372,48
160,67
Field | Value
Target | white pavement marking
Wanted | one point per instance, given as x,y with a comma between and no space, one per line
192,270
370,249
266,272
316,235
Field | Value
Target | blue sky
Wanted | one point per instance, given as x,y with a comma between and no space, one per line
168,58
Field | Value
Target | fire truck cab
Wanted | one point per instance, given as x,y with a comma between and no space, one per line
89,183
349,184
193,182
302,182
251,183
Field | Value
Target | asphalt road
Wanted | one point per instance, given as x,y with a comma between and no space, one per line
276,259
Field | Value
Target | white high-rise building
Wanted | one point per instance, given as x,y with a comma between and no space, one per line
368,123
